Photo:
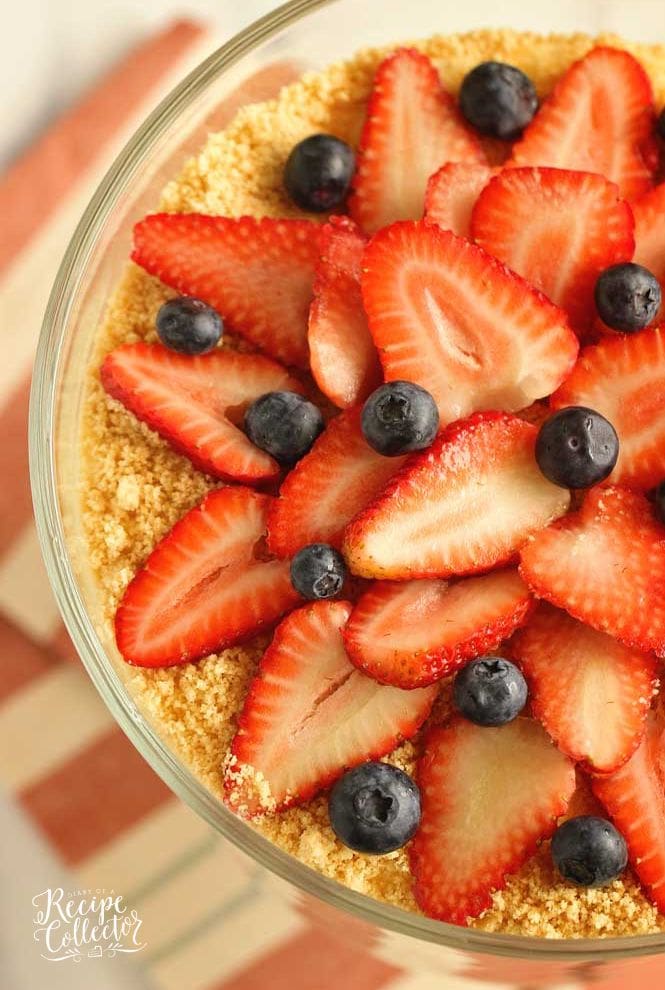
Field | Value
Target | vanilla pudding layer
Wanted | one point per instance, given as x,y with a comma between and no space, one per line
134,488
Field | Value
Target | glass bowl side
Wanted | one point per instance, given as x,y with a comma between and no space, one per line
300,35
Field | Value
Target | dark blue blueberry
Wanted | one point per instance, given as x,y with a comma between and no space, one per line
627,297
374,808
318,571
399,417
318,173
490,691
660,124
576,447
588,851
498,100
284,424
189,325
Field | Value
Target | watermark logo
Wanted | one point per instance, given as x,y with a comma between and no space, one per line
77,923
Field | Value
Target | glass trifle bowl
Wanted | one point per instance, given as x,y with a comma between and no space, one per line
299,37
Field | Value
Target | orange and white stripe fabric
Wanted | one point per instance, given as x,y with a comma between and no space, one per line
211,920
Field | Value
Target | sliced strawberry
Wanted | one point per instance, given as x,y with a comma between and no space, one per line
412,633
649,213
343,358
558,229
591,693
635,799
206,585
488,797
339,477
195,402
605,565
257,273
452,193
445,314
412,127
310,715
599,118
463,506
623,377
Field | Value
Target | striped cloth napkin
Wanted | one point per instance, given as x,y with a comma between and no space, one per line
211,920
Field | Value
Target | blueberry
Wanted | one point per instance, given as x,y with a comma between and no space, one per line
189,325
627,297
399,417
284,424
576,447
318,571
498,100
660,124
588,851
374,808
318,173
490,691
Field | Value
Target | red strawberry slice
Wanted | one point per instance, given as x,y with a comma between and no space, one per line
591,693
599,118
605,565
257,273
412,633
463,506
310,715
445,314
207,585
452,193
558,229
338,477
343,358
623,377
649,213
195,403
635,800
488,797
412,127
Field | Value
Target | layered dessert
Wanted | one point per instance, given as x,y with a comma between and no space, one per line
374,451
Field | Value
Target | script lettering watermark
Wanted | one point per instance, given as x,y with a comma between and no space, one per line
92,923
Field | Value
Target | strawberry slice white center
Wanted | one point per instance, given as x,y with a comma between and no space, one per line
206,585
599,118
411,633
606,566
310,714
591,693
488,796
463,506
448,316
413,127
557,229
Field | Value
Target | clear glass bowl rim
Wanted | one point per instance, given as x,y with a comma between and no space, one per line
42,444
